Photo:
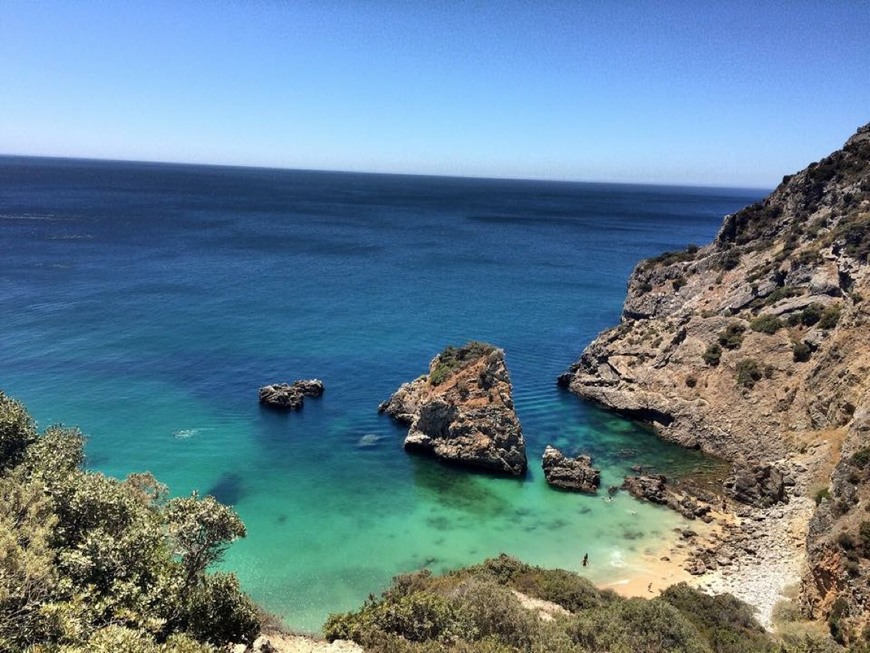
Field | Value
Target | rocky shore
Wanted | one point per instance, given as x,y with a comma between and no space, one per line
754,348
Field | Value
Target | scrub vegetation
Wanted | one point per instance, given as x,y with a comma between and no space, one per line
477,610
91,563
455,358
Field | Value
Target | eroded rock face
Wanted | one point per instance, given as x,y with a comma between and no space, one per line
760,485
575,474
786,272
290,396
463,411
755,347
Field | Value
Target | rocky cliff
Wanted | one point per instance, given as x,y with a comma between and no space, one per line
463,411
756,346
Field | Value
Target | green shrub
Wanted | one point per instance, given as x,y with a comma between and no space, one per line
452,359
80,551
846,541
766,323
678,282
861,458
636,625
473,610
821,495
839,609
864,535
749,372
17,431
811,314
669,258
218,612
829,318
712,355
691,381
728,260
800,352
725,622
783,292
732,336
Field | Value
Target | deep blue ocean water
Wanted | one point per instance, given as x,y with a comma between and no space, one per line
146,303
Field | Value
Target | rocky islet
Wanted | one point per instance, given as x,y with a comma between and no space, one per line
290,396
462,411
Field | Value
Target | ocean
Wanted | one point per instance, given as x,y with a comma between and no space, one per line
147,303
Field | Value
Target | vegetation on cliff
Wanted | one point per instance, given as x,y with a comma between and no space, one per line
755,347
506,606
453,359
90,563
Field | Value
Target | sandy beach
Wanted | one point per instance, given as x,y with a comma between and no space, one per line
755,555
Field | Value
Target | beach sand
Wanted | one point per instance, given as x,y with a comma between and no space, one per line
759,554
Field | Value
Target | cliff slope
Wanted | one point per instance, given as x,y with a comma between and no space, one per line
757,346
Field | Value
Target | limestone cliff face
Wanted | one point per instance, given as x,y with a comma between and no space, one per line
758,345
463,411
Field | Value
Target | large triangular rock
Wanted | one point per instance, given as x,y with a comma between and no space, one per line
463,411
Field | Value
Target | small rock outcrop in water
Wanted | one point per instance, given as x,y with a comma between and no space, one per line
570,473
647,488
289,396
463,410
654,488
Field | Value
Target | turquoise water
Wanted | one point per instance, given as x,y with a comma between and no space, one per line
147,303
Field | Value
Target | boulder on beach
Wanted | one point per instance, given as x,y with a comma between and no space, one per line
757,484
575,474
463,411
290,396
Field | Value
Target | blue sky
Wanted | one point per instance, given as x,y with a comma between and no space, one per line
710,93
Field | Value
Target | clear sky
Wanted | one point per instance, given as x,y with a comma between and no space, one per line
691,92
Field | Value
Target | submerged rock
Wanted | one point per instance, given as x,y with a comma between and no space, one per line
290,396
570,473
463,411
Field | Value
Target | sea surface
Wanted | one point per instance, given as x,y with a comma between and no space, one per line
146,303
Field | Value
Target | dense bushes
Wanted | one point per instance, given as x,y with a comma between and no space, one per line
766,323
801,352
749,372
732,336
477,610
91,563
826,317
712,355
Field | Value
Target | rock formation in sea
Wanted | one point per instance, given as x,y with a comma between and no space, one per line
756,348
655,489
575,474
290,396
462,411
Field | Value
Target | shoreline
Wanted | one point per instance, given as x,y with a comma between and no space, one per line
754,554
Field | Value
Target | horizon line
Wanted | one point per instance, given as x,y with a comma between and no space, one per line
380,172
